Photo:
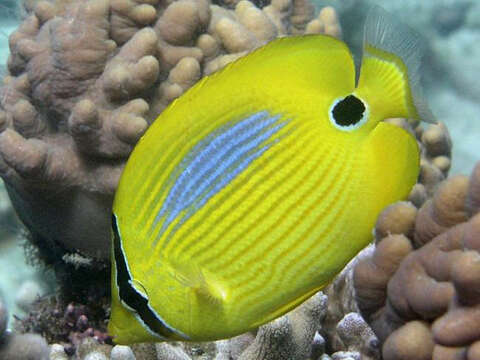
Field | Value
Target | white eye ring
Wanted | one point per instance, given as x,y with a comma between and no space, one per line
363,120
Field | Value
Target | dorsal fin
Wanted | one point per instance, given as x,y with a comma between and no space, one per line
392,54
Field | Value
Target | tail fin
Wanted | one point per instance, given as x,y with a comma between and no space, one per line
390,72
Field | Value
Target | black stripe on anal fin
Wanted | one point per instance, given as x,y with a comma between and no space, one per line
130,296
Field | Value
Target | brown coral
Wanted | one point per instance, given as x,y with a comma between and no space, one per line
436,155
86,78
69,324
420,290
435,148
374,266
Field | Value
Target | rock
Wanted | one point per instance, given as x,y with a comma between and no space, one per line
24,347
120,352
95,356
57,352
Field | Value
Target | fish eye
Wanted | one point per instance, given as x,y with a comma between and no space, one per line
348,113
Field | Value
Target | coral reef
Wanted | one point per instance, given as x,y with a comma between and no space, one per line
86,78
296,335
290,337
14,346
419,289
70,325
344,329
311,330
436,147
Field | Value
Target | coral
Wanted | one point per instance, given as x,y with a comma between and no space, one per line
419,290
346,355
89,348
356,335
436,152
70,325
418,337
86,78
327,22
290,337
345,331
396,219
437,149
170,352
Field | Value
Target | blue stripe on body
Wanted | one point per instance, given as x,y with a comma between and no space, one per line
213,163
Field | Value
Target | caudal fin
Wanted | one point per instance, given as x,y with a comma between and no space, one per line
390,70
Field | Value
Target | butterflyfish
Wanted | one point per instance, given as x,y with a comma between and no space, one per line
253,189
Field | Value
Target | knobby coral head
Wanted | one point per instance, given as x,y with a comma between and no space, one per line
419,290
86,78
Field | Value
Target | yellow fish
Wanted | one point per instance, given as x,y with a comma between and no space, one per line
251,191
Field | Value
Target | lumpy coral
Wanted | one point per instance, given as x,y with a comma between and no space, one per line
290,337
86,78
420,289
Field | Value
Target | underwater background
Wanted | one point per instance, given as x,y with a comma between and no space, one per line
451,31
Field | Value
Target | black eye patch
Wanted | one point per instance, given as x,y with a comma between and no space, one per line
348,111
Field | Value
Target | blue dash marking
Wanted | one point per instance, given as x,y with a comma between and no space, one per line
213,163
200,155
